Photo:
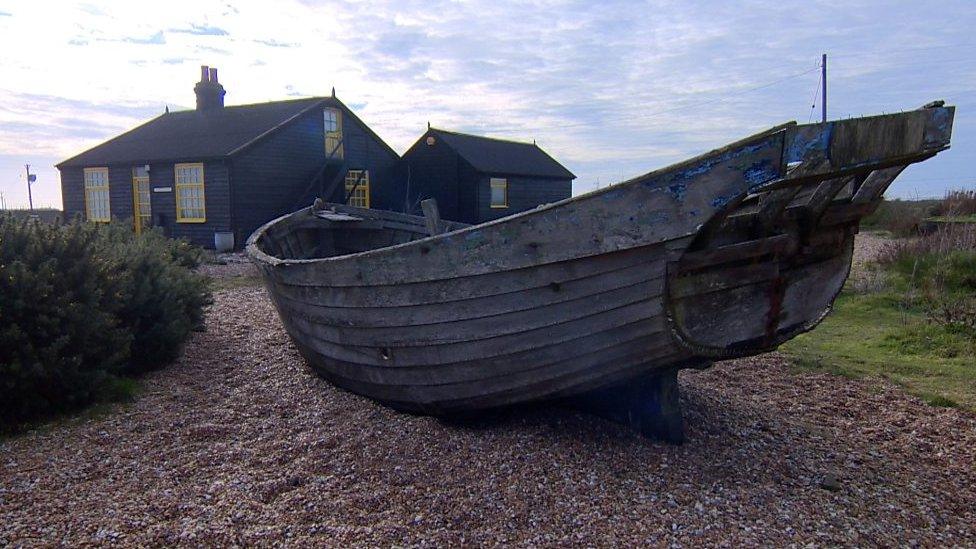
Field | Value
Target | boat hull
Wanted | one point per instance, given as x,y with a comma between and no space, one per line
728,254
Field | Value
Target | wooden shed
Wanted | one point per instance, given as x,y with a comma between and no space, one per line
216,173
476,179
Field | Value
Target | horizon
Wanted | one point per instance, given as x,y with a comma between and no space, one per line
608,93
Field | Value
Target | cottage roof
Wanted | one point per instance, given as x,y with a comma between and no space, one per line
499,156
196,134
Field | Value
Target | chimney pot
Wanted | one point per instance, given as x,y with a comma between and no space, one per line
210,93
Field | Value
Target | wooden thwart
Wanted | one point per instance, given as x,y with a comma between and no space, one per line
782,243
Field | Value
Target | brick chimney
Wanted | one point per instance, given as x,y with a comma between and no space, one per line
210,94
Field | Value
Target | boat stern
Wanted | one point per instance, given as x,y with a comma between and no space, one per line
769,266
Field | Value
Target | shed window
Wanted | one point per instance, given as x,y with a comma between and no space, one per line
96,195
499,192
191,206
332,119
357,188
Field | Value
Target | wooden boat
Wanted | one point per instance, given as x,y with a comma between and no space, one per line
603,295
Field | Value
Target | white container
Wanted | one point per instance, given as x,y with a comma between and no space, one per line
224,242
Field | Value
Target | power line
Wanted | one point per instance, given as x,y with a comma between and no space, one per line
816,94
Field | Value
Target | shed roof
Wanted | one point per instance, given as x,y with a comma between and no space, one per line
489,155
196,134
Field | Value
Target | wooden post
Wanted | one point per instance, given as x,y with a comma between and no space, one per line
432,216
30,195
823,78
648,405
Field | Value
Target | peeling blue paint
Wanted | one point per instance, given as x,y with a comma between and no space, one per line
707,165
810,142
938,127
720,202
760,172
678,190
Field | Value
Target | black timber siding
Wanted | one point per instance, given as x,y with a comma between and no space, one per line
73,193
463,193
364,152
431,171
119,192
524,193
272,177
163,204
216,191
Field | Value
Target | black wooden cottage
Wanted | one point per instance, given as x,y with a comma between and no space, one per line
216,173
476,179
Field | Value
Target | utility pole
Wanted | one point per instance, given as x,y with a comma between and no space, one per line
823,78
30,179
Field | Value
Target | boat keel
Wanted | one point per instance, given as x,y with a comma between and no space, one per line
649,405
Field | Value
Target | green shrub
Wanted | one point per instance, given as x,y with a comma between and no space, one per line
959,202
936,274
161,299
900,217
82,304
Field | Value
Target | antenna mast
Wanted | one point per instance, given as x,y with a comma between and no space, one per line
823,78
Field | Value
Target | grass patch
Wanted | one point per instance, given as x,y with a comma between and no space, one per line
876,335
235,282
954,218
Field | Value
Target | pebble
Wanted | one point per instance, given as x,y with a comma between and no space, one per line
239,443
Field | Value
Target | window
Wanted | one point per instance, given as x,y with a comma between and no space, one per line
332,119
96,195
191,207
357,188
499,192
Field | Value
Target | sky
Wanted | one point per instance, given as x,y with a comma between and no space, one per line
610,89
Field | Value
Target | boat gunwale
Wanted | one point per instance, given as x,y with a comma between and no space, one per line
260,256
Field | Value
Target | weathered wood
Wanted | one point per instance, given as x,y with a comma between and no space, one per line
711,257
771,205
721,279
847,213
431,216
616,288
374,313
874,186
336,216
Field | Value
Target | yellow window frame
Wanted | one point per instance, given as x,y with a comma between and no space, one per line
360,197
97,215
498,183
333,138
188,190
141,201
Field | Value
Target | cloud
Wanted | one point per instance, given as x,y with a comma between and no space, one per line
201,30
276,44
155,39
610,92
211,49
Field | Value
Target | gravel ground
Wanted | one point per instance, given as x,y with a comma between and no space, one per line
233,265
238,443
